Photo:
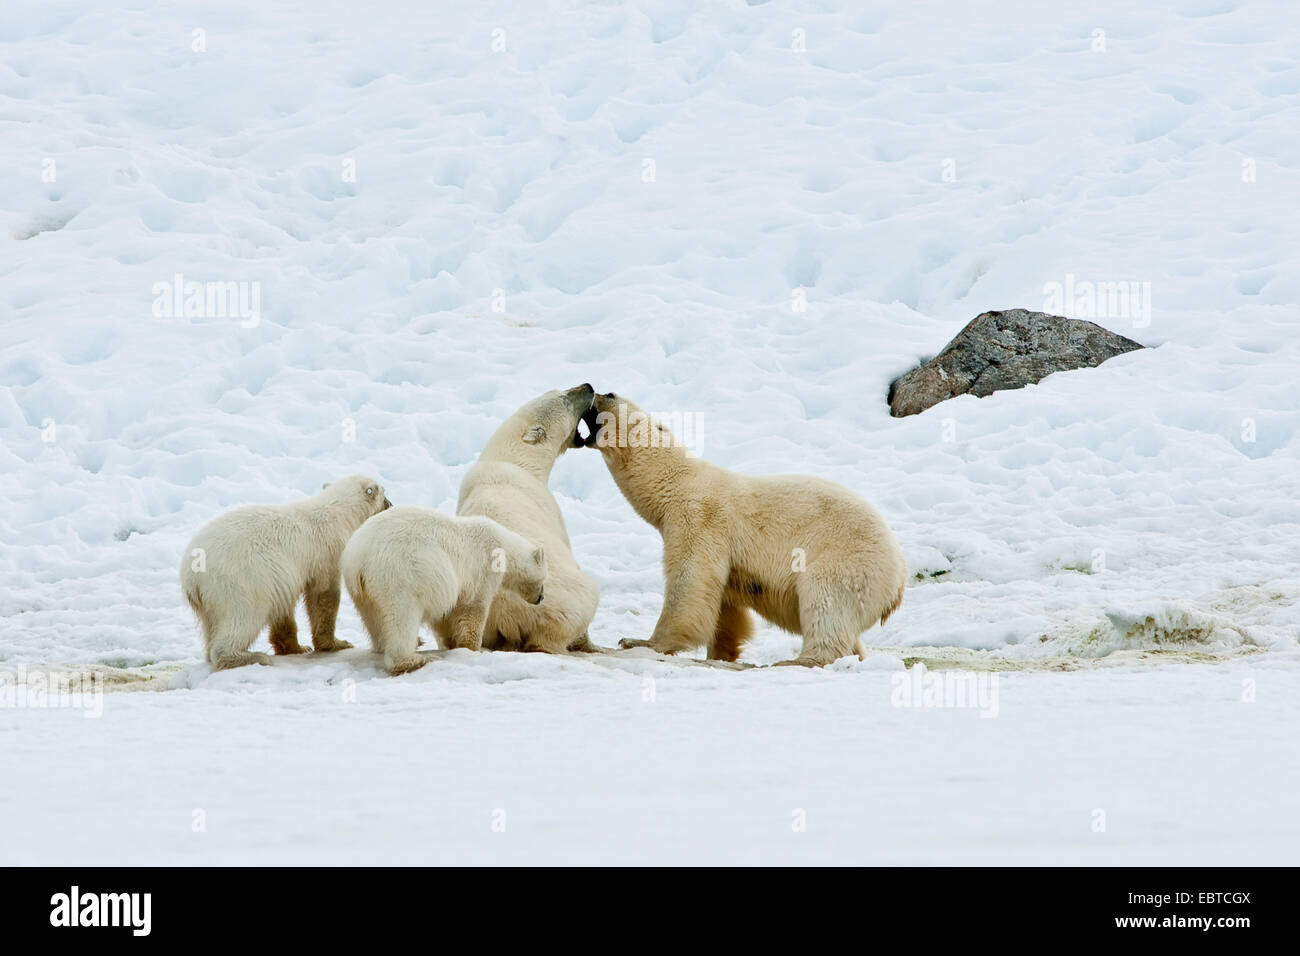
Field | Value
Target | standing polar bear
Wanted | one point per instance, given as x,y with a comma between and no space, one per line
414,565
807,554
246,569
508,484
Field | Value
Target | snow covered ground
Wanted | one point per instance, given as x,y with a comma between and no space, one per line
757,215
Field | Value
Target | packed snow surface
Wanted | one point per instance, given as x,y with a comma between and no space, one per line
756,216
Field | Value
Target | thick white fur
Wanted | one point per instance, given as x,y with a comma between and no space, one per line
411,565
246,569
508,483
806,554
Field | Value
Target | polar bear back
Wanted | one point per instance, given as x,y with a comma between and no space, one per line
266,552
515,499
264,555
441,558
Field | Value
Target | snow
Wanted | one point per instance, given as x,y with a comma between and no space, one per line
639,195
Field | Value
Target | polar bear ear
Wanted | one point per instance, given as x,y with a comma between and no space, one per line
324,486
539,555
534,434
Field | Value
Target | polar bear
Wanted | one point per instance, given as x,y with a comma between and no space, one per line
806,554
415,565
508,485
247,568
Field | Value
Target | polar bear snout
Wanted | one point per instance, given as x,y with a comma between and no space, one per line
387,504
579,397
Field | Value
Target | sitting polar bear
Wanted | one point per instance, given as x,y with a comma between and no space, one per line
247,568
414,565
807,554
508,484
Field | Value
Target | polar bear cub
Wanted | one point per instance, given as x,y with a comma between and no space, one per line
413,565
246,569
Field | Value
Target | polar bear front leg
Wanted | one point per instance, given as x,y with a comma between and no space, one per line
322,611
284,636
464,626
692,600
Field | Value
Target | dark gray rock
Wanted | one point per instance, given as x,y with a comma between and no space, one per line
1000,350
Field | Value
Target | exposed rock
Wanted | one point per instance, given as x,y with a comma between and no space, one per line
1000,350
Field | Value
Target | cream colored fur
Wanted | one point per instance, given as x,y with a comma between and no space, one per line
508,483
246,569
806,554
411,565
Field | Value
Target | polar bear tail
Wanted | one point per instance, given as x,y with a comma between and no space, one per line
206,617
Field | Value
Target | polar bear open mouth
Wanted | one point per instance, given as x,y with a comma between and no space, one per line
588,420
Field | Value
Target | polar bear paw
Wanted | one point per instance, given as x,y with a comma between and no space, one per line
229,661
798,662
331,645
404,665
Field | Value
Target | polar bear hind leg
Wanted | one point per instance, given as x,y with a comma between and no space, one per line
583,645
229,639
371,619
830,614
735,627
550,630
399,635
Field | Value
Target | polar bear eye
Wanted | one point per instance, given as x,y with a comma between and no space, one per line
370,492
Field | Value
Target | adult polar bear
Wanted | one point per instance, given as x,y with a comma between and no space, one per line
508,484
807,554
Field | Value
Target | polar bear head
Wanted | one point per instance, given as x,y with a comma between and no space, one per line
542,430
641,453
360,496
523,566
